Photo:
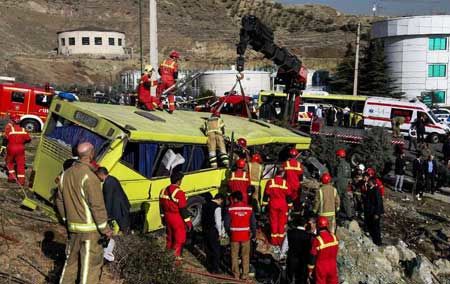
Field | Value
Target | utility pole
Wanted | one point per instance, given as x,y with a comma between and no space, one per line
153,39
141,52
355,82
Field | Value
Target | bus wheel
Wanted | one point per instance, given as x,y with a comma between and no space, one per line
194,206
434,138
30,125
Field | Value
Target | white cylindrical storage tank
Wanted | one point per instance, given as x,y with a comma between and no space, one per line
222,81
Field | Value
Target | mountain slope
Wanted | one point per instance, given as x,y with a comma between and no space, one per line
204,31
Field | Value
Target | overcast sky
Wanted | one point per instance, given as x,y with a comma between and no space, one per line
387,7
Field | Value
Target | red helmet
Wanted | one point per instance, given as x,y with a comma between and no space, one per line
322,222
240,164
256,158
371,172
174,54
293,152
14,117
242,142
341,153
216,114
326,178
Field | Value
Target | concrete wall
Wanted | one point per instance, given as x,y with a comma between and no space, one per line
407,49
79,48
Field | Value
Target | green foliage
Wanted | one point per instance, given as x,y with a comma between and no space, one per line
142,259
206,95
324,149
376,149
374,79
342,81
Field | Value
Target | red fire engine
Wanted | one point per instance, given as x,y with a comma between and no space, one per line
31,103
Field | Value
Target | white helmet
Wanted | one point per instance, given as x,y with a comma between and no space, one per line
148,68
361,167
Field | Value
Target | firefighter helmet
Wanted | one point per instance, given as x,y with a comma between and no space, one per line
256,158
341,153
216,114
148,68
240,164
326,178
361,167
242,142
371,172
293,152
322,222
174,54
14,117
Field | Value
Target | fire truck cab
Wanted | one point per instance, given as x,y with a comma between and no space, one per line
31,103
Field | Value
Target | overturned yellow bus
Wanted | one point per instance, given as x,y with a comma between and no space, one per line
138,146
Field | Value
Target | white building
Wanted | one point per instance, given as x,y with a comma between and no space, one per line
417,50
92,41
222,81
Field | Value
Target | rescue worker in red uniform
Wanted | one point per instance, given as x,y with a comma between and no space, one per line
169,75
240,223
145,99
294,173
277,197
240,180
172,203
324,251
15,138
373,174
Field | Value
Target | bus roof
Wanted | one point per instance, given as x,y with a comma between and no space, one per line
307,95
185,126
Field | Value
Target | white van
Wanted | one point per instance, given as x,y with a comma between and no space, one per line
380,112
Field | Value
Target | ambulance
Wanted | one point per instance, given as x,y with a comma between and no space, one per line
30,103
379,112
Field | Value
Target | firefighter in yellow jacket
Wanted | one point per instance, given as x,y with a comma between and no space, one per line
215,129
327,202
80,203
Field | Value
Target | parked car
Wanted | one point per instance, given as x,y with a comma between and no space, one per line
442,114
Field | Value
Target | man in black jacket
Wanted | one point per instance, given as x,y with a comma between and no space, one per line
213,231
430,172
373,210
417,173
116,202
298,246
400,166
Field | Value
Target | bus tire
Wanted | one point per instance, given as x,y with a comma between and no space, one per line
194,206
434,138
30,125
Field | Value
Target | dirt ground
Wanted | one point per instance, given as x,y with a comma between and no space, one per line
32,247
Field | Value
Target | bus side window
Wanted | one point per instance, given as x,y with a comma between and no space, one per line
18,97
141,157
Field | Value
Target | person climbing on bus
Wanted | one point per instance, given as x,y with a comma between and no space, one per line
168,70
215,129
145,99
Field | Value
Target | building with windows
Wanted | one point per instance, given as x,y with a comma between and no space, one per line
92,41
417,51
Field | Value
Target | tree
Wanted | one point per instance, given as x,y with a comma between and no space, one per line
342,81
374,78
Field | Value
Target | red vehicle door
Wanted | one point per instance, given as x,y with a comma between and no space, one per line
17,99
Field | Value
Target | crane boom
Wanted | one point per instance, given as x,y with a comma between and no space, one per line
260,38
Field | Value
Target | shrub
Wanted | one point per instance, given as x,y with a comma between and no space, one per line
142,259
